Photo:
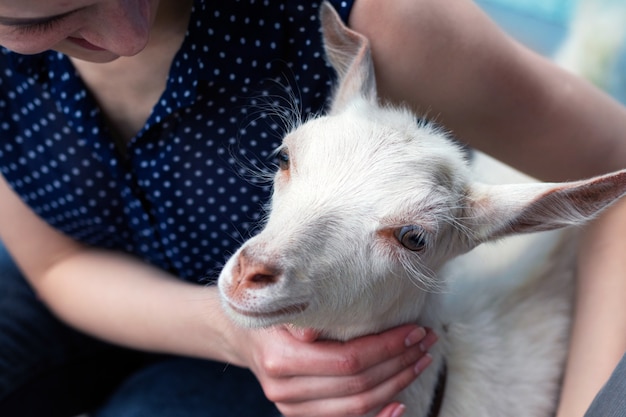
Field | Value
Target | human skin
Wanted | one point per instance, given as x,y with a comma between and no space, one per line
458,68
115,28
599,332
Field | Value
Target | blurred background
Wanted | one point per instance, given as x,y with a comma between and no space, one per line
585,36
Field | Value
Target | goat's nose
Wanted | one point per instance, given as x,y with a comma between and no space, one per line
251,273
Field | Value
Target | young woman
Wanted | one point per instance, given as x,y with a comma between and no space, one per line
123,126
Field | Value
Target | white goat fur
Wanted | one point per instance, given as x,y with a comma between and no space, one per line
329,257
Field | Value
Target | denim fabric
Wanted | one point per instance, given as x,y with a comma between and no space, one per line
189,388
46,368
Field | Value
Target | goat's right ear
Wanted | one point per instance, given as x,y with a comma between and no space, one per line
349,54
494,211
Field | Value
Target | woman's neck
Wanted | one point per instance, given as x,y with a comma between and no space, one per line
128,88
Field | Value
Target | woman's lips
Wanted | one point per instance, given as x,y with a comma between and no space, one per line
85,44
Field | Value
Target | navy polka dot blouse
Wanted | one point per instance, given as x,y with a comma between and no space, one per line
186,190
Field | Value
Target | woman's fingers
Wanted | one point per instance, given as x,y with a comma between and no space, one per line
302,334
354,405
306,388
392,410
328,378
329,358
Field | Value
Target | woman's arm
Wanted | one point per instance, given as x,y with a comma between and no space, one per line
120,299
108,295
449,61
599,331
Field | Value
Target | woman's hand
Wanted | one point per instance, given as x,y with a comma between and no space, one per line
305,377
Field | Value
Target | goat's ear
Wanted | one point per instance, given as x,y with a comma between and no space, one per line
349,54
495,211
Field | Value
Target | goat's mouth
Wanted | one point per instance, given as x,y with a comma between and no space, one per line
290,310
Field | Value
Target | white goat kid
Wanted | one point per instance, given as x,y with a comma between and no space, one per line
369,213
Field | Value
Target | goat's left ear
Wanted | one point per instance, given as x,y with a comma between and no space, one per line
349,54
495,211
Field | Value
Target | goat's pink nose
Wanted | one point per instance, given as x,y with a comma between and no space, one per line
250,273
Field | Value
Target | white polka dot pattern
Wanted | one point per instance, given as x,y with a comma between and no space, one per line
186,191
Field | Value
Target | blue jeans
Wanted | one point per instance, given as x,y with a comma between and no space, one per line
48,369
189,388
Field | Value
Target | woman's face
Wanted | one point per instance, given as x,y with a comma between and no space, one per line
91,30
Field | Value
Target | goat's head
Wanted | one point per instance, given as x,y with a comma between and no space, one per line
368,204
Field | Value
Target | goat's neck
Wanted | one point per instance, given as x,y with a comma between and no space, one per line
427,312
412,306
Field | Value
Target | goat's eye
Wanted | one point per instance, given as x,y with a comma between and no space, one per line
412,237
283,160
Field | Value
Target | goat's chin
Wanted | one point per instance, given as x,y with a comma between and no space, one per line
260,317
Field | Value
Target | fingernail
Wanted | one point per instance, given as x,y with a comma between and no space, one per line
416,336
428,341
422,363
399,411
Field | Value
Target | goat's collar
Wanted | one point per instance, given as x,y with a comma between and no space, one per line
440,389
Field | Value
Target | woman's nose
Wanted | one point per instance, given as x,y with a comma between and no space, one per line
122,27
